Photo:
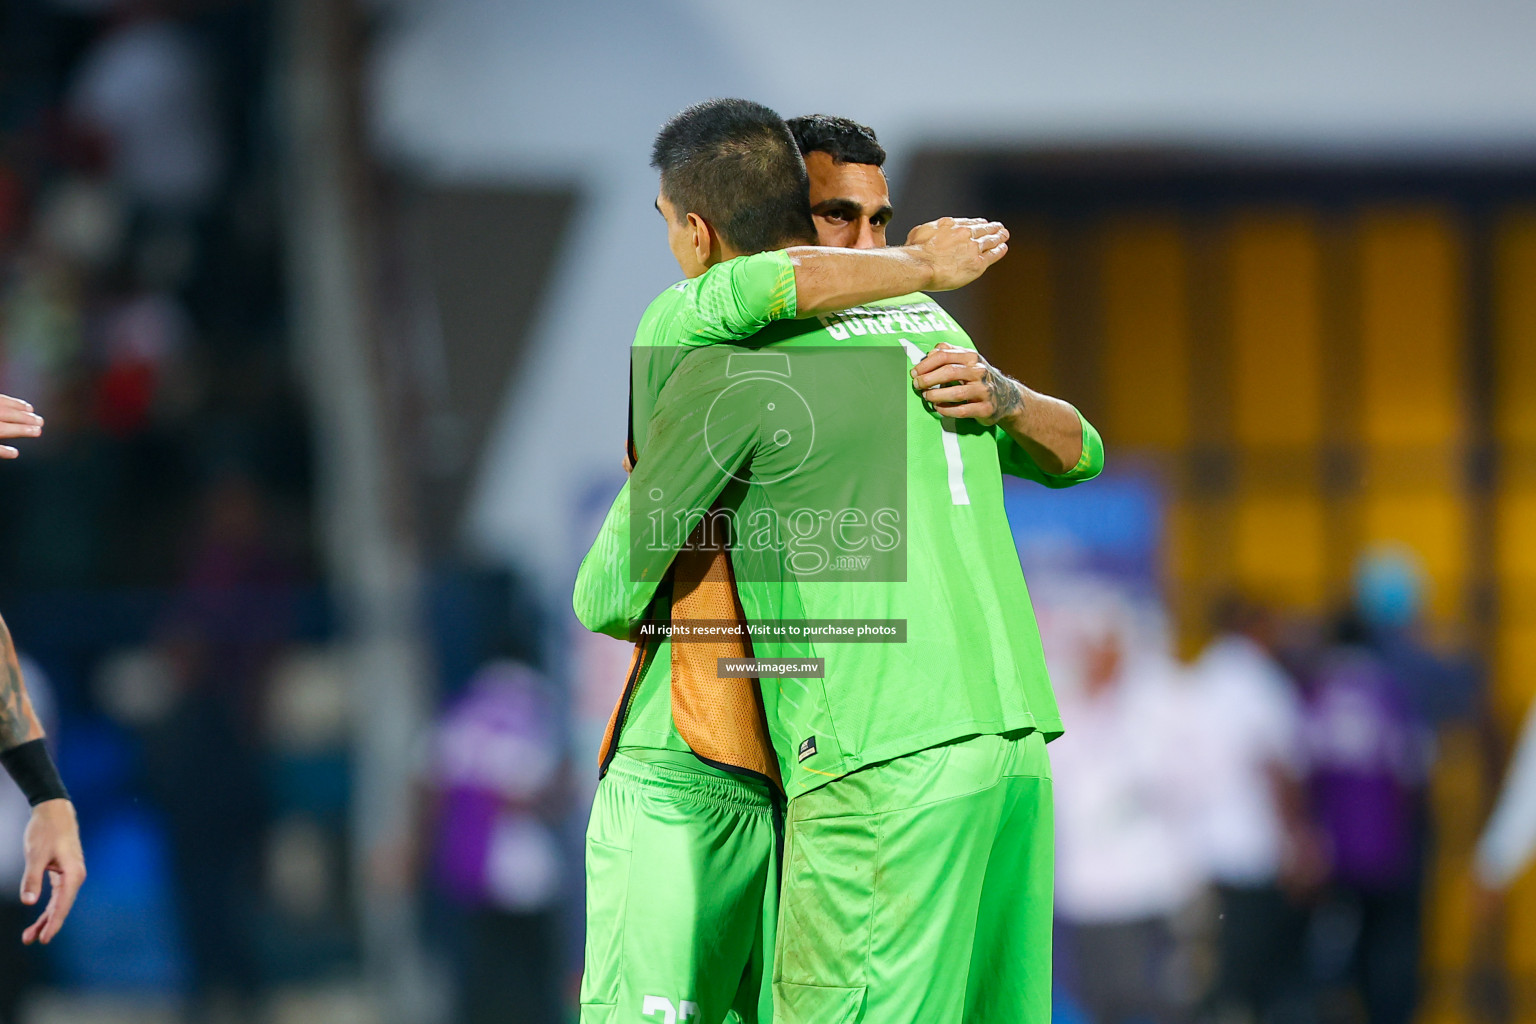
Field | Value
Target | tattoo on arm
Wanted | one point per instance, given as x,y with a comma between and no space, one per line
1004,392
15,710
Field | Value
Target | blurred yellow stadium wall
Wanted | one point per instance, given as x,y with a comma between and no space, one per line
1315,361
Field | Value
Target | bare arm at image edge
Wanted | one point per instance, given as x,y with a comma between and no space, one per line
51,843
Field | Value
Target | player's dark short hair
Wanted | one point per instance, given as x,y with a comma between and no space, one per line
845,141
734,163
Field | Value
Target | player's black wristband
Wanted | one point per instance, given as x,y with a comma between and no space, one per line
32,767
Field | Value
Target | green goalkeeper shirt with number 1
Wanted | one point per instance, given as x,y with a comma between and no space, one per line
848,498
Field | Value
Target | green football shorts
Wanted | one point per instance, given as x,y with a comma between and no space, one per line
682,894
919,890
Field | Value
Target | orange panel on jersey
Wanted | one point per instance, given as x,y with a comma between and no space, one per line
1412,327
1145,287
1277,336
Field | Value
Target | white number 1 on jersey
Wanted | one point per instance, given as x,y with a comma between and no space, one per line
957,492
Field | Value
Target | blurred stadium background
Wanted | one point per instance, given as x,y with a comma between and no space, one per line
327,303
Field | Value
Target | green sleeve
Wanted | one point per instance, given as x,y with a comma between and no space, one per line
683,467
738,298
681,473
606,601
1016,461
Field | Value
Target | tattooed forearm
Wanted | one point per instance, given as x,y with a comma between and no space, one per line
961,383
1048,429
17,722
1006,395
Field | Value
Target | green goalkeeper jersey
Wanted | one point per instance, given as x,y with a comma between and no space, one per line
846,500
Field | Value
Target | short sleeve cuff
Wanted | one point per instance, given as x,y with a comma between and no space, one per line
779,277
1091,461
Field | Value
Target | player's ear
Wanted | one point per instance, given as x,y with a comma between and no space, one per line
704,240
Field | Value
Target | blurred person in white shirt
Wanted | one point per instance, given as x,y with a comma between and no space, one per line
146,88
1248,766
1126,863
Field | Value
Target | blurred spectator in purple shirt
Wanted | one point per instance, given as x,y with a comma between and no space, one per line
1374,704
498,777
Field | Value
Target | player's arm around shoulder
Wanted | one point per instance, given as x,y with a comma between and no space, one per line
697,440
1039,437
939,256
678,381
735,299
692,445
